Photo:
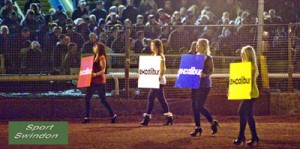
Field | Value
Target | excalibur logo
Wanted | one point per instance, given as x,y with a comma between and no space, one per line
150,71
241,80
87,71
191,71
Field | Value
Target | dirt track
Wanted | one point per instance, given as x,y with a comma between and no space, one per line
275,132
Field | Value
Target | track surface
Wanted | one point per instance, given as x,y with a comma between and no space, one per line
275,132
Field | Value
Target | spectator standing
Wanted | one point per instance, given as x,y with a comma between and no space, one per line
147,48
23,55
130,12
138,43
88,46
5,40
75,36
138,26
152,29
100,28
13,23
118,45
168,7
72,58
30,22
7,9
179,38
99,12
163,17
28,3
82,28
112,36
146,8
59,16
80,11
58,54
113,20
120,12
165,31
34,58
51,40
18,40
38,15
92,22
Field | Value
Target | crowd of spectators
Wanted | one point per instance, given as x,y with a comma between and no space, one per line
55,41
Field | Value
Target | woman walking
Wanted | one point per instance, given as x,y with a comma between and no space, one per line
246,106
98,82
157,50
199,95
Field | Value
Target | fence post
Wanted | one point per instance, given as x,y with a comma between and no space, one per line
127,61
290,60
260,28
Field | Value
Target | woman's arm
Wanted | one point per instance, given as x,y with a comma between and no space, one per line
210,65
162,66
253,75
103,67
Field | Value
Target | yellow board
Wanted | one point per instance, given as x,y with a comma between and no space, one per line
240,81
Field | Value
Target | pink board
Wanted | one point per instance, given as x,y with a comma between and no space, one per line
86,70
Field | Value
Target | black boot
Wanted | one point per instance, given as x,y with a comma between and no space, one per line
169,118
197,131
146,119
86,120
214,126
113,119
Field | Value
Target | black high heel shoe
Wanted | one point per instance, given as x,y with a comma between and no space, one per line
253,140
196,132
214,126
146,119
169,120
239,141
86,120
113,119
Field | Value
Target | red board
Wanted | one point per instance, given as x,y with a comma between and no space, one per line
86,70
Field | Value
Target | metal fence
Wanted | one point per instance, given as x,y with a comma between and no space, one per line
277,48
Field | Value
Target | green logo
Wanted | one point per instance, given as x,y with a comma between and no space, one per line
42,132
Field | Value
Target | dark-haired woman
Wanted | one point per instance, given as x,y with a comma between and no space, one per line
157,50
98,82
199,95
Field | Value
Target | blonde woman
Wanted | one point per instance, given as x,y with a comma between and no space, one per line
199,95
246,106
157,50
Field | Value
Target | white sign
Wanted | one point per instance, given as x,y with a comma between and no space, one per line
149,69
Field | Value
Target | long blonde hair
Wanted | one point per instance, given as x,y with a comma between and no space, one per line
248,55
205,43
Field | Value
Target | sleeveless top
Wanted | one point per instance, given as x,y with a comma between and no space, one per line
101,79
206,81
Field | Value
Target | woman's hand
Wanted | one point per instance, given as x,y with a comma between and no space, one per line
203,75
94,74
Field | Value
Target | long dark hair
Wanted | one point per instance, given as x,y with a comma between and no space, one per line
102,52
159,46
